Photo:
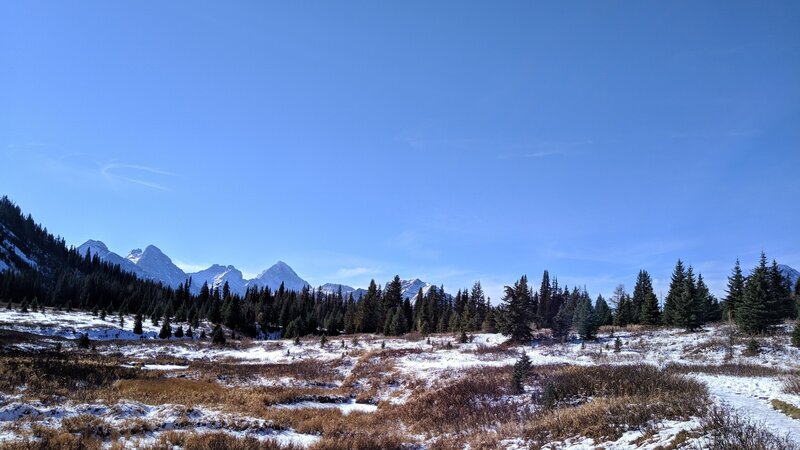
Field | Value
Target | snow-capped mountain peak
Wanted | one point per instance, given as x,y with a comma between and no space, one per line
279,272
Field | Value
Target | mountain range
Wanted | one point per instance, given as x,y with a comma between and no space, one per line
152,264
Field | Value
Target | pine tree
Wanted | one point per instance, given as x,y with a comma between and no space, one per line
179,332
645,302
796,334
166,329
83,341
543,308
735,292
488,325
676,286
603,312
756,314
650,314
781,293
522,370
711,309
517,313
190,333
690,310
217,337
585,320
137,324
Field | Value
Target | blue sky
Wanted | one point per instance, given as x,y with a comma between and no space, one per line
451,141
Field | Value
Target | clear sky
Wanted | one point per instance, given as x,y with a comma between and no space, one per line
451,141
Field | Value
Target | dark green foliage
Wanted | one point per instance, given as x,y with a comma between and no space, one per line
137,324
522,370
617,345
166,329
781,293
463,339
217,336
645,300
603,311
190,333
517,318
179,332
83,341
690,310
585,320
676,286
203,335
735,292
759,309
323,340
624,314
753,348
796,335
711,310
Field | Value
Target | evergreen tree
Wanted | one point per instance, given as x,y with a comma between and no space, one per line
543,307
166,329
711,308
650,313
603,311
735,292
623,313
756,313
674,295
179,332
83,341
137,324
781,293
522,370
585,320
190,333
645,302
217,337
517,313
232,315
690,310
488,325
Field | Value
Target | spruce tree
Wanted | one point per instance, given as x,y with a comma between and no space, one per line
709,303
796,334
781,293
83,341
756,313
488,325
674,295
735,292
545,293
650,314
603,311
217,337
166,329
585,320
137,324
517,313
179,332
645,302
689,310
522,370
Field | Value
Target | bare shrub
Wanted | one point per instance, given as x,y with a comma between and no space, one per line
727,431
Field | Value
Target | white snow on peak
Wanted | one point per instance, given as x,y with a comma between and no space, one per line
279,272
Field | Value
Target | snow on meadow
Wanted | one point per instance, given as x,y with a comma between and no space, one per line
412,367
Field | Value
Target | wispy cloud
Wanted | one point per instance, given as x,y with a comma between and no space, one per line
133,173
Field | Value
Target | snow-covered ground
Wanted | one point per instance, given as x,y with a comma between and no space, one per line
427,361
